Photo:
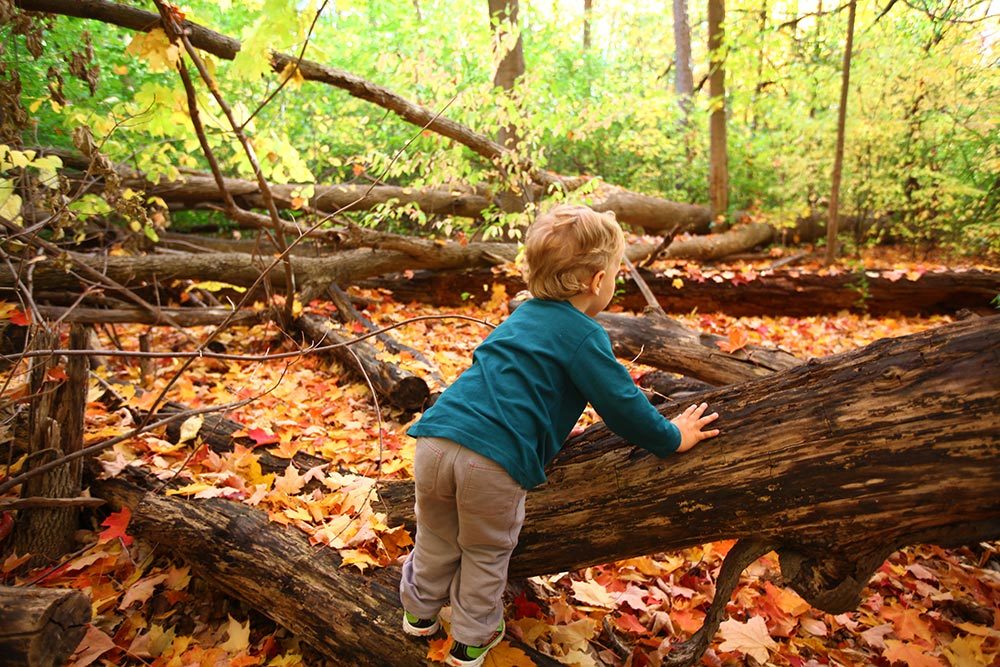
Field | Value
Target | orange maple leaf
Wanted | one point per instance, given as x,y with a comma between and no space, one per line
437,649
910,655
116,523
738,339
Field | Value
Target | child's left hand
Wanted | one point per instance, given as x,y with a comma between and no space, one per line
690,423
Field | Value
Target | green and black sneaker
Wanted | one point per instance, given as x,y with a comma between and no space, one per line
419,627
462,655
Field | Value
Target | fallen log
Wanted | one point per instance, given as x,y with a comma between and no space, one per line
785,292
670,346
834,463
350,617
41,627
399,387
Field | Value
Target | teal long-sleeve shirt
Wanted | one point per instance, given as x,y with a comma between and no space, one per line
528,384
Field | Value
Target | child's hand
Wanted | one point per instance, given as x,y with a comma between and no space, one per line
690,422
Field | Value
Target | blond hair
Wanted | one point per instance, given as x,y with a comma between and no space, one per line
565,247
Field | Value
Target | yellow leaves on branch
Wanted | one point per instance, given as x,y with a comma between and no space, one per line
156,49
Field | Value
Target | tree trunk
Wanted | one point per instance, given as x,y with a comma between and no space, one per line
683,79
838,157
776,293
833,463
55,428
503,21
718,185
400,388
41,627
199,190
670,346
867,450
588,6
717,246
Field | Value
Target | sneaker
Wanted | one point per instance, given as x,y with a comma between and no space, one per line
419,627
462,655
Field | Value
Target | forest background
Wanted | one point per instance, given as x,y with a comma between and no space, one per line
598,97
921,150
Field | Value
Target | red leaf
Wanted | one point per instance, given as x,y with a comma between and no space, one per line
57,374
738,339
629,623
116,524
262,437
6,524
525,608
21,318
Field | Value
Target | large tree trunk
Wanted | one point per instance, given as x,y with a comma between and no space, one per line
55,428
683,79
784,292
718,182
838,157
862,452
503,20
40,627
834,463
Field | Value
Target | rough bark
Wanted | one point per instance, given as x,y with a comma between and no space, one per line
40,627
784,292
187,317
717,246
833,463
55,428
668,345
399,387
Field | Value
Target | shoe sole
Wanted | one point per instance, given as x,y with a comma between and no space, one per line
414,631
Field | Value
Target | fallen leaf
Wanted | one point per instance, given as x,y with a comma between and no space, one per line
505,655
966,652
875,637
116,523
190,427
911,655
141,590
750,638
239,636
737,340
94,643
592,593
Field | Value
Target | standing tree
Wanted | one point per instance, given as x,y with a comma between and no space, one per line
684,80
503,20
718,182
838,159
588,5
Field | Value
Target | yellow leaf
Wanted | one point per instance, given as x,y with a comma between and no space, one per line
592,593
966,652
215,286
360,559
239,636
190,489
156,48
292,74
190,427
505,655
677,283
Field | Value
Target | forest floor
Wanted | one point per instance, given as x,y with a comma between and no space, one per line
925,606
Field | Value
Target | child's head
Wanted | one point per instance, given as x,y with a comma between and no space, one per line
565,247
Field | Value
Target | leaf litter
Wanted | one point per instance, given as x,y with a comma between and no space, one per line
925,605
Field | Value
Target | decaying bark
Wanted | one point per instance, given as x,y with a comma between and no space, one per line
834,463
55,428
668,345
41,627
784,292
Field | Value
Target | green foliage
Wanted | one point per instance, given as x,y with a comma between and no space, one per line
922,146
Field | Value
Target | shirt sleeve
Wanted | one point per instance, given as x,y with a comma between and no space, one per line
624,408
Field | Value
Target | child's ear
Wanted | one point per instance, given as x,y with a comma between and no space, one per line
595,282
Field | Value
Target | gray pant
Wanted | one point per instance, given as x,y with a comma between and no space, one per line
469,513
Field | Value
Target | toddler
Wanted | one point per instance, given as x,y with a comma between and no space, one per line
488,438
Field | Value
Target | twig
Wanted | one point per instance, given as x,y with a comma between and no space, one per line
42,502
651,302
198,354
